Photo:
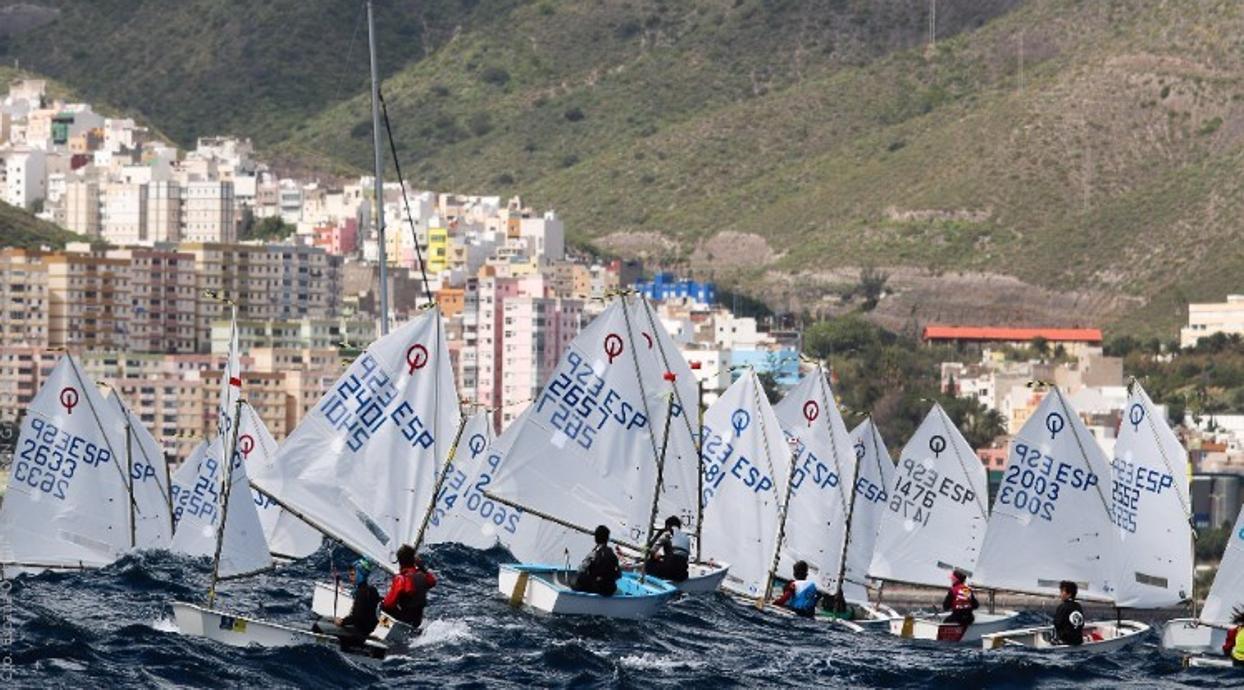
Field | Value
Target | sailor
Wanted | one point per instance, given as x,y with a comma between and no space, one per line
673,550
1234,646
599,572
1069,617
960,600
836,606
363,617
800,594
408,593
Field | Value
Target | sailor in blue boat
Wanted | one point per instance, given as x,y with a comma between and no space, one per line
671,552
1069,616
960,600
408,593
1233,648
600,571
800,594
364,612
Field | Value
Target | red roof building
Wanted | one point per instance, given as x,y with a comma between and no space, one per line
990,334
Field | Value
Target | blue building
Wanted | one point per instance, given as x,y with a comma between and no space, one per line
665,286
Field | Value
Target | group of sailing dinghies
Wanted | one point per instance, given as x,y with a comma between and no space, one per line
615,438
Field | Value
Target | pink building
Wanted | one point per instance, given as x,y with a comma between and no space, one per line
340,239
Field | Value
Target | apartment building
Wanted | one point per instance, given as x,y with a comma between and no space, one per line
23,299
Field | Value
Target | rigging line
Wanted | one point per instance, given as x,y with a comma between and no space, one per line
129,420
397,166
1157,440
790,480
695,438
126,481
1083,454
643,395
833,445
358,21
952,430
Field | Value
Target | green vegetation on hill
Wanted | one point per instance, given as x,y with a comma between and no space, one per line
21,229
1083,147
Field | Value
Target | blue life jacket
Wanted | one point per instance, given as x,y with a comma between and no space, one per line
805,596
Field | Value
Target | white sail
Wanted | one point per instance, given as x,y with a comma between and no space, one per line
875,475
1051,519
936,513
230,381
667,373
746,469
67,502
362,465
1150,508
286,535
148,469
1227,593
463,515
824,470
198,504
529,538
587,452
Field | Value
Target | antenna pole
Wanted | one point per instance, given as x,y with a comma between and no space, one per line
379,181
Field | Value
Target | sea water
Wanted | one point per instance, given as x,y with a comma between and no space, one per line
114,628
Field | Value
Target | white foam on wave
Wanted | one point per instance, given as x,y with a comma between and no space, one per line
443,632
656,662
165,624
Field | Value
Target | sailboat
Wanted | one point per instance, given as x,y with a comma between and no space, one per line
874,475
748,474
823,493
1202,637
71,499
593,452
934,523
1052,521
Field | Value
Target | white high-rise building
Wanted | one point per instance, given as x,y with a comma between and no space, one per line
25,177
125,213
207,212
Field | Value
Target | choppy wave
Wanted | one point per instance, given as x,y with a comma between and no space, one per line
114,627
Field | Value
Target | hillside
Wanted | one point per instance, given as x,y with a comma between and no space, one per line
21,229
1049,161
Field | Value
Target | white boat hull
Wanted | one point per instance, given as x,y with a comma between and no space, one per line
703,578
1205,661
1191,636
243,631
332,602
1099,636
547,588
934,627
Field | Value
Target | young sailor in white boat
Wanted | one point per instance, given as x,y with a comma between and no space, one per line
599,572
1233,647
363,617
671,554
800,595
408,593
1069,617
960,600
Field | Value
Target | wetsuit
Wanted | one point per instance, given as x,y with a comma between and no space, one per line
363,619
1069,623
408,595
799,596
674,553
961,602
599,572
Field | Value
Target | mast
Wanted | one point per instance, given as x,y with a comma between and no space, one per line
379,181
224,502
846,539
699,461
790,480
129,467
440,482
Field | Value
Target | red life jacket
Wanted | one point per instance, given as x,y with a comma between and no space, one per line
961,597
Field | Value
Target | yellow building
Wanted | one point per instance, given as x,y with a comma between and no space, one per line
438,250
